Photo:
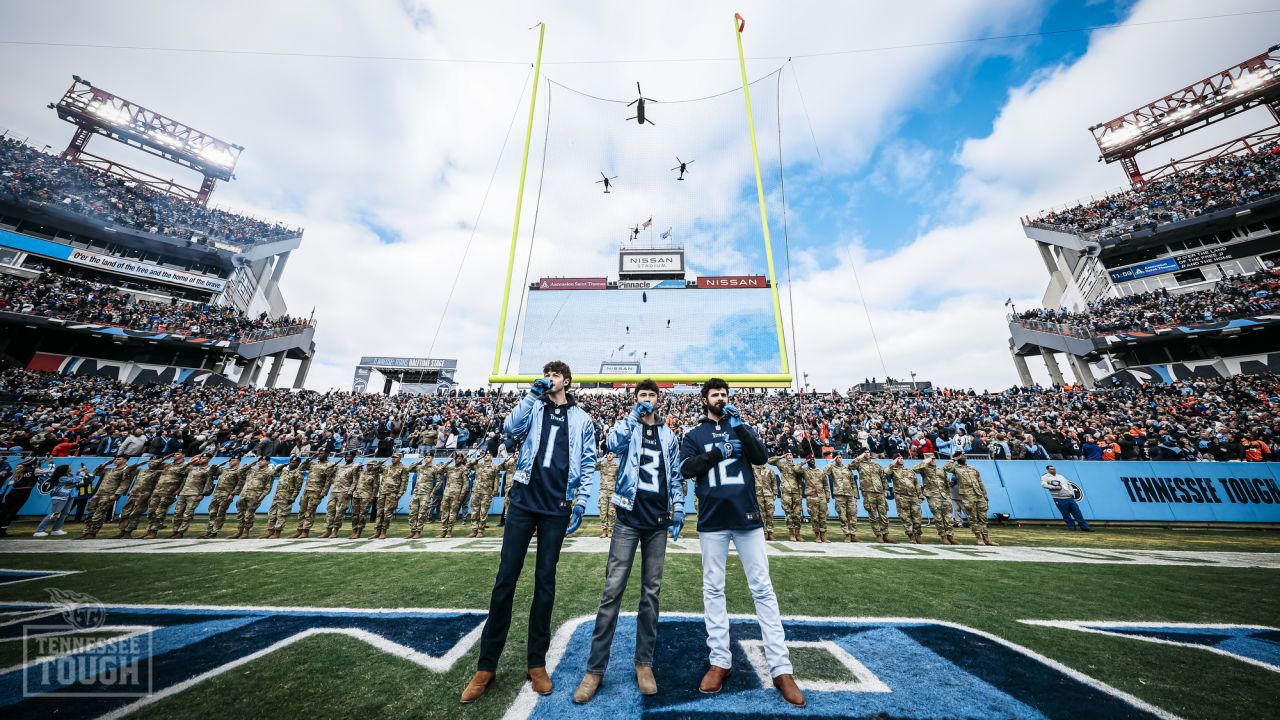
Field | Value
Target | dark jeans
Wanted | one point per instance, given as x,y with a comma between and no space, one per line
1070,510
78,505
515,545
622,555
13,502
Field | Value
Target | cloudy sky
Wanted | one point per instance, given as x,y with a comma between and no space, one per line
378,127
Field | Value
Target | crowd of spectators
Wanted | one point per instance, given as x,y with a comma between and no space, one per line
29,174
1223,183
1205,419
1231,298
67,297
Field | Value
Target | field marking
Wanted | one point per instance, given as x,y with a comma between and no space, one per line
126,632
35,575
525,701
778,549
1097,628
863,679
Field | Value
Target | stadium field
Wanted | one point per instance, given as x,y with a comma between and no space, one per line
983,604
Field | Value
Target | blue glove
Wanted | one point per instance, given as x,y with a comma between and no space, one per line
677,525
735,417
641,410
731,448
575,521
540,387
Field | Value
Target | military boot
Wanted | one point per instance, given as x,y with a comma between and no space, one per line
123,535
272,535
415,535
355,535
176,535
301,534
986,540
768,535
151,535
382,535
475,532
87,536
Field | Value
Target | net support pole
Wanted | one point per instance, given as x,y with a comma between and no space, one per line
515,226
739,24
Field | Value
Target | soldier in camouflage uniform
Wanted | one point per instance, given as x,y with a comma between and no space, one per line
791,492
140,496
846,493
488,479
937,490
291,478
424,487
395,480
362,496
906,495
257,485
171,477
974,494
871,482
455,491
766,492
199,481
230,480
319,478
116,476
815,492
608,468
344,483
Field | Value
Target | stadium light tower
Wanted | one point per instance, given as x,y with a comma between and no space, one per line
1254,82
95,111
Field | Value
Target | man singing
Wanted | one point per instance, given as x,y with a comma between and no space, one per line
718,453
553,476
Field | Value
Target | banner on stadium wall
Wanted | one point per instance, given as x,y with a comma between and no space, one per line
733,281
650,262
651,285
573,283
66,253
1195,259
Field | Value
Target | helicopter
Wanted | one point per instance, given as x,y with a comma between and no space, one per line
682,167
606,180
639,103
635,232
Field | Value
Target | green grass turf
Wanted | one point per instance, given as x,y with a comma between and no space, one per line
341,678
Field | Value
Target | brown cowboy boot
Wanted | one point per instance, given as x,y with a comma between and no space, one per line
645,682
540,681
786,684
587,688
477,687
714,680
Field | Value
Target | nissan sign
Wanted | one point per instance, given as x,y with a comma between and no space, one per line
650,262
732,281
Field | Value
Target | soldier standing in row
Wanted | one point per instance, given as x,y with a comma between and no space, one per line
455,491
116,476
608,468
424,486
766,493
973,493
937,490
362,496
230,481
815,492
871,481
199,480
140,496
344,483
846,493
395,480
906,495
319,478
488,481
171,477
790,491
257,485
287,490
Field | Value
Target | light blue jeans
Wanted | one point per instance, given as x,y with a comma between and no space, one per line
59,508
750,545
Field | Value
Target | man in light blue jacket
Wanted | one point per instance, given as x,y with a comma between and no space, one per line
554,471
649,496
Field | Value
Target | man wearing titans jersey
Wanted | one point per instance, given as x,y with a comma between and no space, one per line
718,454
649,496
554,471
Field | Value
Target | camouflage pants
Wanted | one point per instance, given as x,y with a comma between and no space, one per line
419,508
134,507
100,508
247,510
764,498
976,505
908,512
792,506
338,503
158,509
281,508
608,513
185,511
877,507
449,509
386,512
217,512
940,508
307,510
818,512
506,494
480,505
359,513
847,509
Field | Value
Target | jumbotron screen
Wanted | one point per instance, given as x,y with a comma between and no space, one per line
657,330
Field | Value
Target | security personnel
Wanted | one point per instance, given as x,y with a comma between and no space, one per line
344,483
319,478
906,495
140,497
171,476
973,493
230,480
395,480
845,490
198,482
116,476
790,491
937,490
871,482
291,478
488,482
766,493
257,485
608,468
815,492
